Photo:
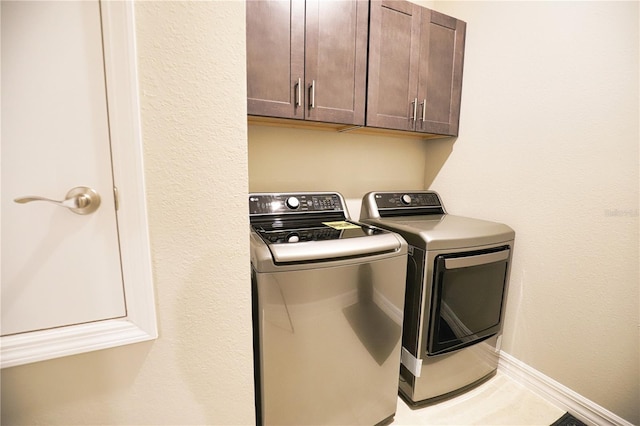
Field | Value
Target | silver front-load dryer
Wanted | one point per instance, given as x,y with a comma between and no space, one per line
328,297
457,277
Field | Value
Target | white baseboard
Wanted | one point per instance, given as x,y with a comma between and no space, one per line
554,392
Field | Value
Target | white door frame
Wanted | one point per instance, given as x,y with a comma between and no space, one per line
139,324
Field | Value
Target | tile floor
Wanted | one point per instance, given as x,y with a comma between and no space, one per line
499,401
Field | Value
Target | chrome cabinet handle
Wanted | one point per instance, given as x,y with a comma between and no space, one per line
80,200
312,97
415,109
424,110
298,94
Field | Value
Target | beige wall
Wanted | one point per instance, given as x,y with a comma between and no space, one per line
283,159
199,371
548,144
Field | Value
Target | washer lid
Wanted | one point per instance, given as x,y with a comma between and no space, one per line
327,250
446,231
294,232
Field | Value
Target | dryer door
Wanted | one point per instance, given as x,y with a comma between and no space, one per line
467,299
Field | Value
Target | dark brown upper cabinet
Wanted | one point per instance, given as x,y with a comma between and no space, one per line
416,57
307,60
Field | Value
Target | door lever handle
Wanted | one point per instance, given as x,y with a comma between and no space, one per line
80,200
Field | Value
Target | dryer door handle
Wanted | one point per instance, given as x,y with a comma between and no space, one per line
480,259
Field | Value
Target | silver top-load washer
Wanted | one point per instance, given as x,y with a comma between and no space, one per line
457,277
328,297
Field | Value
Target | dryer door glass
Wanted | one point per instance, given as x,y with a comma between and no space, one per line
467,298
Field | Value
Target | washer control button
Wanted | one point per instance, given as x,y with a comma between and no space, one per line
293,238
406,199
292,203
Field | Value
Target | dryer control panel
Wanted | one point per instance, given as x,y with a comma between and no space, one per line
392,204
394,200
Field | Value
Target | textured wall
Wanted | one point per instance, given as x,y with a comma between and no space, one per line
549,144
192,66
283,160
199,371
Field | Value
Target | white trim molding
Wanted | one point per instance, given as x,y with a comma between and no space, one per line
547,388
139,324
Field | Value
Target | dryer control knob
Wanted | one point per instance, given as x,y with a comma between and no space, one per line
292,203
406,199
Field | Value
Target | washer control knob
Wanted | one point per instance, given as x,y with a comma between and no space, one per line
406,199
292,203
293,238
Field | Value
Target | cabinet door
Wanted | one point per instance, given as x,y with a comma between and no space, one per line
336,60
275,58
440,82
393,64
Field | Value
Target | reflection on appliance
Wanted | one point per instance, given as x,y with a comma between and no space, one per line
277,312
452,325
328,298
457,275
377,330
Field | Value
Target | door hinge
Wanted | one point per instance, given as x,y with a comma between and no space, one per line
115,198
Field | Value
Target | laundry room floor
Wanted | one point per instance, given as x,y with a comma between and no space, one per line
499,401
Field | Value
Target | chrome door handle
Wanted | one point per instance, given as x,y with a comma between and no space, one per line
312,97
415,109
80,200
298,100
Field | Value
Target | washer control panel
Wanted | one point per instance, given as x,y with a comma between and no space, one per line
395,200
261,204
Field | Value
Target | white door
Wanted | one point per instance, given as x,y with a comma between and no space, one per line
58,267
